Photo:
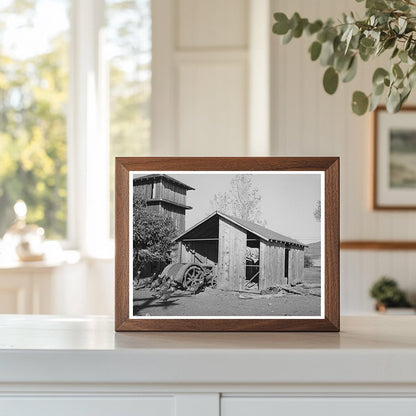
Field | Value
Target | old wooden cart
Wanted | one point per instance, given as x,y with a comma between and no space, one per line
191,275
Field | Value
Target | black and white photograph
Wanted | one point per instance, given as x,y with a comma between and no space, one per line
226,244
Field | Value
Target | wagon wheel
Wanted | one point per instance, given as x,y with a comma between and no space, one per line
193,276
213,282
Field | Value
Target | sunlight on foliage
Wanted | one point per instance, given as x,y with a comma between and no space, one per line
33,98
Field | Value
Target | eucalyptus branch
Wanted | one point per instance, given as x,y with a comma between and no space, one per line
389,25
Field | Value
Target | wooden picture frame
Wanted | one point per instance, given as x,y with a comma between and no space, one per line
145,170
394,184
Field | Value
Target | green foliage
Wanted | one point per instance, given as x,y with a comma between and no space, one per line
152,233
389,26
33,100
386,291
34,105
330,80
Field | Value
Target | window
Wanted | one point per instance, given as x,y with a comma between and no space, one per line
75,87
129,43
33,102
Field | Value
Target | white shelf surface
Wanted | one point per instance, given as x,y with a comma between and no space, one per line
53,349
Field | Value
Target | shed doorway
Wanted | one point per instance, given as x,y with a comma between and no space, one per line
287,265
252,265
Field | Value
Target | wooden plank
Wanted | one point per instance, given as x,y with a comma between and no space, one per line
232,252
281,265
263,260
292,271
301,263
272,267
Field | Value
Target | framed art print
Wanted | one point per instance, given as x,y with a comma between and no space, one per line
227,244
394,177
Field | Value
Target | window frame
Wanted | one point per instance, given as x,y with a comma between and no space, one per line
87,133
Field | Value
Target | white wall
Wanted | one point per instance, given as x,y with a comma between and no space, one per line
308,122
211,86
200,77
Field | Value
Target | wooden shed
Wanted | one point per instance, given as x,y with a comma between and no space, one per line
245,255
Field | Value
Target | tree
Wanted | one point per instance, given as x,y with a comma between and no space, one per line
33,102
242,200
389,26
152,234
317,212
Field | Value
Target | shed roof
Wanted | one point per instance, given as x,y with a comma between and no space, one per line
260,231
164,176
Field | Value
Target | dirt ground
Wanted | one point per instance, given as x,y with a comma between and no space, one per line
214,302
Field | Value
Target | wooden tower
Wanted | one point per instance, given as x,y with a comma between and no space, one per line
164,195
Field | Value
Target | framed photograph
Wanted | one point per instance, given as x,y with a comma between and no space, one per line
227,244
394,179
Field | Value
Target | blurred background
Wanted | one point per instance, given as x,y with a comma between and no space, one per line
83,81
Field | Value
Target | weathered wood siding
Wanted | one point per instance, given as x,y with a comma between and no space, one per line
296,265
301,265
172,192
204,252
231,256
272,265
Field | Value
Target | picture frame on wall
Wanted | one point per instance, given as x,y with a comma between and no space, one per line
394,165
227,244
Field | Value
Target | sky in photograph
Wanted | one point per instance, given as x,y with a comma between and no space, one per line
287,200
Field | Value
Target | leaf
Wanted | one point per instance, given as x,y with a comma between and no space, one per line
376,4
348,34
395,52
402,25
314,27
400,5
366,53
403,56
389,43
404,96
397,71
408,42
378,89
359,103
330,80
281,27
374,102
294,20
288,37
298,30
367,42
327,54
351,71
315,50
379,75
393,101
342,62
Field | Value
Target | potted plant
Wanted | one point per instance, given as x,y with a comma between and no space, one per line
387,294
